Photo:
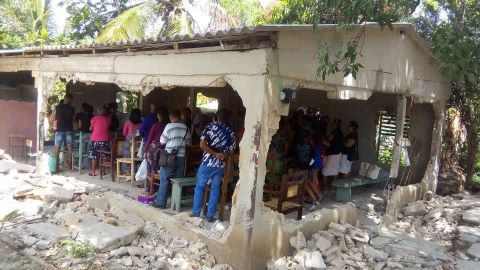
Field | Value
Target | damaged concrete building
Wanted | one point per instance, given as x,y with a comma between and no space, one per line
252,66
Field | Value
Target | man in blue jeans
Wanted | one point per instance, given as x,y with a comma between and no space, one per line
64,113
217,140
174,137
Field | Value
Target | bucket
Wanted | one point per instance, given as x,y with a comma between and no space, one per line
52,163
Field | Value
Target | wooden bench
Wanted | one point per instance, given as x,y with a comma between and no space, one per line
344,186
177,187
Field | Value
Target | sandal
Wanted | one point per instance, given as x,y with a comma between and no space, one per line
92,174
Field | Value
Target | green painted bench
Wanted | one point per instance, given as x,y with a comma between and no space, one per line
177,185
344,186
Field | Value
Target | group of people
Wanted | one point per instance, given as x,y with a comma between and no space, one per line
307,141
161,133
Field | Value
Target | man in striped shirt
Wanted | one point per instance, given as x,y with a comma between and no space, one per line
174,137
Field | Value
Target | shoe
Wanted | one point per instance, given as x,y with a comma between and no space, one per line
314,206
193,216
160,206
210,219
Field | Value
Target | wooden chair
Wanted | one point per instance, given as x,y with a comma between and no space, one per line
132,160
80,149
275,171
231,174
107,159
28,149
16,145
290,196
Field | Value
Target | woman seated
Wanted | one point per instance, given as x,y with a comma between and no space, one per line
152,144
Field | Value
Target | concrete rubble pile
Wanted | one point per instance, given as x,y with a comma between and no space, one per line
56,210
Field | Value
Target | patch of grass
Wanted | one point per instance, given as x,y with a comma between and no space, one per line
77,249
9,217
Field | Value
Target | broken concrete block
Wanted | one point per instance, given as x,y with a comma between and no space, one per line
380,242
298,242
467,265
48,231
435,214
56,193
468,238
103,236
474,251
118,252
415,209
359,236
472,216
377,255
137,251
127,261
97,203
29,241
131,219
337,227
43,244
475,231
314,260
323,244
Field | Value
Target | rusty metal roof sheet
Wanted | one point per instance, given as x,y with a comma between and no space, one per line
166,42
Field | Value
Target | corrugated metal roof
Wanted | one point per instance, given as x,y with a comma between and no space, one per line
149,44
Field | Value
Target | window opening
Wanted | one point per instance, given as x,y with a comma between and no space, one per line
206,104
386,129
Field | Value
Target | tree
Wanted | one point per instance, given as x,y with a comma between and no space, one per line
245,12
154,18
87,18
455,41
24,23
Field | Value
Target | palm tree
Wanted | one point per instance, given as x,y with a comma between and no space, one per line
153,18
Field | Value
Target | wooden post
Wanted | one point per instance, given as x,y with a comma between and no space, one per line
192,99
401,113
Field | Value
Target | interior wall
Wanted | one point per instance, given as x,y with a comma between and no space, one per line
366,114
96,95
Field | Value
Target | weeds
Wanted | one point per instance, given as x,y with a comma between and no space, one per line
9,217
77,249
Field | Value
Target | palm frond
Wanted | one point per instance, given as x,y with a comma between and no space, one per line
209,15
131,24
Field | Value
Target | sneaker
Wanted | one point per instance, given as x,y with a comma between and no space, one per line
314,206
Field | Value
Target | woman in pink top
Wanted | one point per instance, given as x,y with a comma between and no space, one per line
100,138
130,129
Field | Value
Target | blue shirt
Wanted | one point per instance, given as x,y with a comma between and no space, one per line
147,124
221,138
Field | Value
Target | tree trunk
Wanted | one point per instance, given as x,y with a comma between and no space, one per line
472,151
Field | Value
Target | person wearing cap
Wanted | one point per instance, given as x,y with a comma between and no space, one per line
217,141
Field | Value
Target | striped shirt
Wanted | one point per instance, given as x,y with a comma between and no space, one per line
175,136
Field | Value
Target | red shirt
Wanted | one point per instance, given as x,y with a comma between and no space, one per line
100,125
130,128
155,133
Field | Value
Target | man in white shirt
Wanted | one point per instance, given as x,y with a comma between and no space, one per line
174,137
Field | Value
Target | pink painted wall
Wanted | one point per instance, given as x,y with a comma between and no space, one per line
17,117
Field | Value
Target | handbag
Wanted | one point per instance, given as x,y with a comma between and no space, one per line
353,155
167,159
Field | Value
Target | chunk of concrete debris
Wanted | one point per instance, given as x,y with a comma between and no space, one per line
474,251
130,219
377,255
314,260
338,227
323,244
468,238
118,252
48,231
56,193
475,231
43,244
359,236
103,236
472,216
298,242
127,261
415,209
97,203
467,265
137,251
380,242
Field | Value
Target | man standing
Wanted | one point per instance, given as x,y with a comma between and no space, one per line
174,137
217,140
64,113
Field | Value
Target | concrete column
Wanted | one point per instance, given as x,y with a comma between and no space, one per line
401,111
43,85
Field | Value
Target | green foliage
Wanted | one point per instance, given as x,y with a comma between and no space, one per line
9,217
24,23
87,18
245,12
127,101
202,99
77,249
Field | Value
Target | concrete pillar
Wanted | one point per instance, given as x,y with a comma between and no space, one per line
401,112
43,85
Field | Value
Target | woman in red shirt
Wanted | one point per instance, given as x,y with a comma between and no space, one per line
100,138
